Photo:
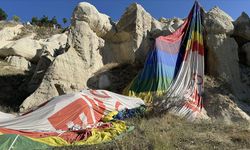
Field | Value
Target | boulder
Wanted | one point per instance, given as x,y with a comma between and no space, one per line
19,62
26,47
67,73
217,21
104,82
55,43
221,105
70,71
8,33
168,26
223,62
114,77
98,22
242,27
52,47
176,23
245,75
129,40
246,50
86,44
39,72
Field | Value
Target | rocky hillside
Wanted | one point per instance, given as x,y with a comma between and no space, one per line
97,52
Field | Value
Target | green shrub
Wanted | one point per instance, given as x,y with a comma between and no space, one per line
45,22
16,18
34,21
65,20
3,15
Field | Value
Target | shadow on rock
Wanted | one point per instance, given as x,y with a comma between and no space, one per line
114,77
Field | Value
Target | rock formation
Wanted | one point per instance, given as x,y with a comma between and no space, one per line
218,22
19,62
242,26
132,37
25,47
246,50
220,104
222,51
8,33
68,62
70,71
129,38
99,23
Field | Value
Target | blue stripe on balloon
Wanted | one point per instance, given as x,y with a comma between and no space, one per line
161,56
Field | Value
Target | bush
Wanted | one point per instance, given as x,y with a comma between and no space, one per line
65,20
3,15
45,22
34,21
53,21
40,31
16,18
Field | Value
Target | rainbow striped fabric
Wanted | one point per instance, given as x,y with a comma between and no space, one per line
174,69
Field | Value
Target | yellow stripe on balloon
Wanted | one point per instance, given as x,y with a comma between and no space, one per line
97,136
52,141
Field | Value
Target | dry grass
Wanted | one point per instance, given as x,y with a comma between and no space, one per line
4,24
171,132
41,32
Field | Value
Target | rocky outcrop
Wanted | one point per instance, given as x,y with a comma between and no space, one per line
26,47
63,76
39,72
19,62
221,105
32,49
86,44
70,71
68,62
8,33
217,22
124,42
242,27
129,40
114,77
222,55
22,53
223,61
245,74
246,51
54,44
222,51
98,22
90,31
174,23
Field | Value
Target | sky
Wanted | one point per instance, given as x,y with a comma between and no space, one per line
26,9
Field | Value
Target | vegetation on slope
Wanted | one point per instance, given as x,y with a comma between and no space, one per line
40,32
171,132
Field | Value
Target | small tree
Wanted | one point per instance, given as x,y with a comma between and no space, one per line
34,21
3,15
16,18
53,21
45,21
65,20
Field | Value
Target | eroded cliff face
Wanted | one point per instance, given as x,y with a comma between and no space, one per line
93,41
66,62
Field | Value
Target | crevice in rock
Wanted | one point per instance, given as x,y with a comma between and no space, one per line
59,89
